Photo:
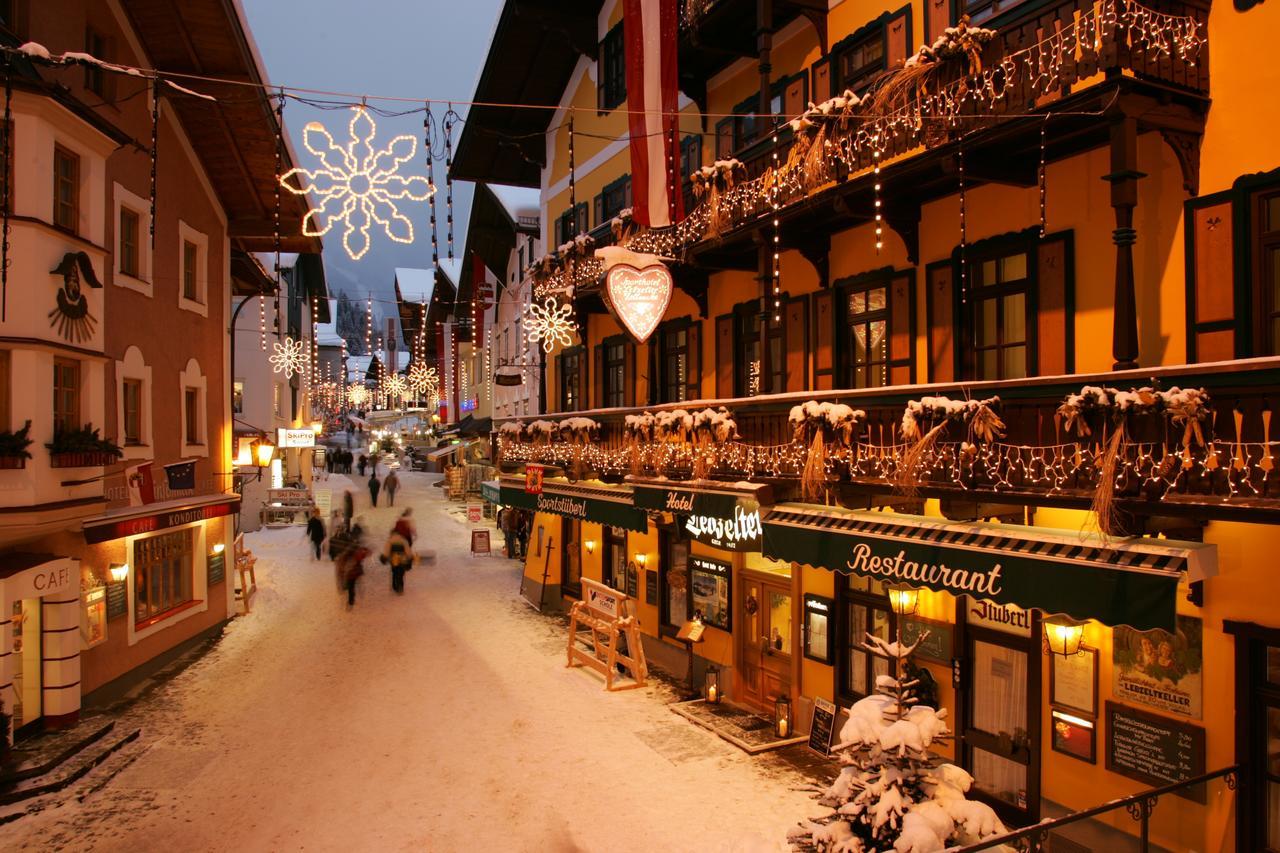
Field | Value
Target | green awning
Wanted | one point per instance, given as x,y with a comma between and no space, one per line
598,504
710,499
1120,582
491,491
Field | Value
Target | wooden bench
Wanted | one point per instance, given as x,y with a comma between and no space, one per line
246,574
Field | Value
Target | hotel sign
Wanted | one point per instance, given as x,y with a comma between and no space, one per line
741,531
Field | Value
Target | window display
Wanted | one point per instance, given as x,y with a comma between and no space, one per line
710,582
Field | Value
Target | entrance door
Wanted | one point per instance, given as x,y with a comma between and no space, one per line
1001,722
767,640
27,666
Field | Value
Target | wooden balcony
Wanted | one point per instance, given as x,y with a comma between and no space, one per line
1162,480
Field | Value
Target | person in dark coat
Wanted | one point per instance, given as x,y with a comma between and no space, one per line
398,554
364,463
374,486
315,531
350,563
390,485
348,507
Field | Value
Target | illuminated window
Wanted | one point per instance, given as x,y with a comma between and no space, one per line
162,570
999,316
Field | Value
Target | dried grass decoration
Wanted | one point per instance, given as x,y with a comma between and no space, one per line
819,425
922,424
539,433
638,433
901,90
814,130
578,433
713,182
508,433
672,428
710,427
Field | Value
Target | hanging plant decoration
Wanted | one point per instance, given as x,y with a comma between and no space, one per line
290,357
816,426
549,324
358,185
70,316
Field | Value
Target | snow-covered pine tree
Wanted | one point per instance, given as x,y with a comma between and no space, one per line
350,324
892,794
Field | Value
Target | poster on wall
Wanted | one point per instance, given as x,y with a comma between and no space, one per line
1159,669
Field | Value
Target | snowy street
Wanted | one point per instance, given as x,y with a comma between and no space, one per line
442,720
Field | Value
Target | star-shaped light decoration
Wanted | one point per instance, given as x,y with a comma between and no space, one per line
290,357
357,395
394,386
358,185
549,323
423,379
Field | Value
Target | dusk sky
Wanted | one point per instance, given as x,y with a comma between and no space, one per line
400,48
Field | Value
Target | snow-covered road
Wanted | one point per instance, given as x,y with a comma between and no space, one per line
443,720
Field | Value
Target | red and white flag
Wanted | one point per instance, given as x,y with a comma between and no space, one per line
653,92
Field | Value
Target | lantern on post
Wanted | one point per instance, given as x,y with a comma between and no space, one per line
782,726
903,599
1062,636
711,685
263,451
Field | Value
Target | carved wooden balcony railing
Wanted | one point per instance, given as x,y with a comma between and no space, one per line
1224,472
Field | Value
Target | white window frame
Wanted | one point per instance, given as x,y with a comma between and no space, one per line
187,234
122,199
134,366
199,583
193,377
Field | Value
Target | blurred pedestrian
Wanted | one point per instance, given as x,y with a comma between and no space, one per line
350,563
405,526
315,531
374,486
364,464
391,485
348,507
398,554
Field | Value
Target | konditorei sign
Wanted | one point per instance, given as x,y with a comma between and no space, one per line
105,528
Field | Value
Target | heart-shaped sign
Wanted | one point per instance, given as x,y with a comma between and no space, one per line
638,297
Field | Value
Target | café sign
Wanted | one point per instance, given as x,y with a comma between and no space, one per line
55,576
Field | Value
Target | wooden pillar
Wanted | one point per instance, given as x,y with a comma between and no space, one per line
1123,177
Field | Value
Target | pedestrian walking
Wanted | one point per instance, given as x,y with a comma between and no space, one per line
506,523
374,486
348,507
315,531
406,527
390,485
350,563
364,463
398,554
347,459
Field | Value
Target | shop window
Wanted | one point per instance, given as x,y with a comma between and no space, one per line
615,557
132,390
66,395
66,189
95,78
128,252
866,312
162,573
673,580
867,611
858,63
613,361
818,613
711,591
999,314
569,369
571,580
612,88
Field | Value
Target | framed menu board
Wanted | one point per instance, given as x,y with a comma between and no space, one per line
1155,750
1073,681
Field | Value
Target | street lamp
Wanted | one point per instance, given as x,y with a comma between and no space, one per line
591,546
264,451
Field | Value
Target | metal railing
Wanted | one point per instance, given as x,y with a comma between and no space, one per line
1140,807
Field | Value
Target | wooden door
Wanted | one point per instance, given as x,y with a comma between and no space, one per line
767,640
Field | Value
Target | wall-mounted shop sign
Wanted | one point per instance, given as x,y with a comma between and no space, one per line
1154,750
295,437
740,531
1008,618
104,528
1160,669
55,576
559,498
638,297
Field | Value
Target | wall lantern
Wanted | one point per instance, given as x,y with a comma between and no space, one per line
264,451
591,546
119,572
1062,636
903,599
317,427
782,716
711,685
642,559
219,547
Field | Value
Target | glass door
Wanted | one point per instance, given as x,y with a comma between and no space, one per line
26,662
1001,721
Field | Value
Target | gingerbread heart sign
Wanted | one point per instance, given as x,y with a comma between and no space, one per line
638,297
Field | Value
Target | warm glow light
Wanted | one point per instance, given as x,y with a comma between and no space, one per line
591,546
903,599
550,323
119,572
1063,636
358,184
219,548
290,357
317,427
265,451
641,559
244,454
638,297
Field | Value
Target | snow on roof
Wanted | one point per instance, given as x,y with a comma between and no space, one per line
452,267
329,338
415,285
518,201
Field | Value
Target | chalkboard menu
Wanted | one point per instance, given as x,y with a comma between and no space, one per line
824,723
1154,750
117,600
936,646
632,582
217,568
650,587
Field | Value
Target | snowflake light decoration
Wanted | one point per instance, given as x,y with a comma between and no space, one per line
290,357
394,386
357,395
358,185
423,379
550,323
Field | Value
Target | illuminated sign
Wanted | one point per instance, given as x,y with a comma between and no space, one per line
741,532
638,297
305,437
94,533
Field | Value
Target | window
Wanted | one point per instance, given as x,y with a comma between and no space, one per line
614,363
95,79
162,570
191,414
66,395
747,126
980,11
674,581
1000,316
237,397
571,582
710,586
867,326
66,189
748,373
128,255
867,611
613,199
568,226
612,89
132,390
690,162
570,371
1266,259
858,64
190,263
673,364
615,558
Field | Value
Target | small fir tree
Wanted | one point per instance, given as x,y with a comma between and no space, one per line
892,794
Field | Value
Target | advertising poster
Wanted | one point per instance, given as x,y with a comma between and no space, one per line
1159,669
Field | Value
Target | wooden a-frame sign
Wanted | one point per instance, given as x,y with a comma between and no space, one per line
606,613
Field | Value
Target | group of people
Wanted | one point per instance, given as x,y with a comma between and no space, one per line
390,484
348,549
338,461
515,524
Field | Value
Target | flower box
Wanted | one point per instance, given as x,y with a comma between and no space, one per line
10,463
82,459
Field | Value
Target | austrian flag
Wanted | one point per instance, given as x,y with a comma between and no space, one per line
651,28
